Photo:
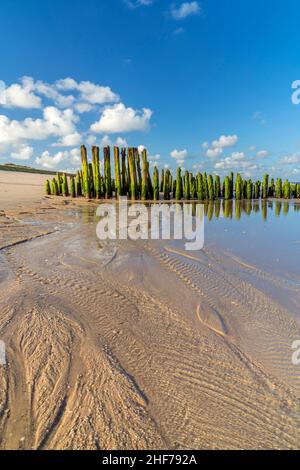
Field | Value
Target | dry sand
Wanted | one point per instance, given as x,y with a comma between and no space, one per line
135,345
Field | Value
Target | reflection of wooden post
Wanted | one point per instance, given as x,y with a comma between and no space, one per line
264,209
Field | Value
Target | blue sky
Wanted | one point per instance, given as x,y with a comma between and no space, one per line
205,84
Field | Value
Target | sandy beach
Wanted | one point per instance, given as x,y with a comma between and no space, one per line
137,345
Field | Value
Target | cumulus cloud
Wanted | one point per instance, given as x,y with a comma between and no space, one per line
22,152
218,145
120,142
262,153
82,107
214,152
106,140
88,92
51,162
118,118
179,154
236,161
55,123
290,159
63,93
225,141
50,92
154,158
61,104
184,10
19,95
69,140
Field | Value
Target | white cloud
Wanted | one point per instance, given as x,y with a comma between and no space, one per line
290,159
218,145
75,157
22,152
82,107
54,123
120,142
118,118
89,92
179,154
106,140
185,9
91,139
28,94
69,140
225,141
96,94
66,84
50,162
262,153
236,161
19,96
154,158
141,148
214,152
50,92
138,3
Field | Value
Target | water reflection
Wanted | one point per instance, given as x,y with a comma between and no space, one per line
228,209
232,209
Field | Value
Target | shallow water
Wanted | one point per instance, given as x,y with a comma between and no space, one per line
265,234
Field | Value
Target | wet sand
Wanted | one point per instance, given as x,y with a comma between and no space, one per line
137,345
